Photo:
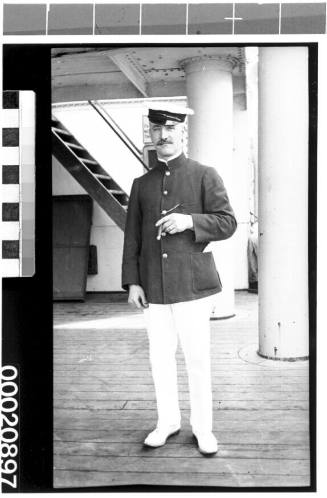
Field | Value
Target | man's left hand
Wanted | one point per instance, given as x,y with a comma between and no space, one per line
175,222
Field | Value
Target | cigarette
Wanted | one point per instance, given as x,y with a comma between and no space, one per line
160,226
159,232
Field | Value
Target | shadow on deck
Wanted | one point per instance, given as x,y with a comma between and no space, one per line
104,405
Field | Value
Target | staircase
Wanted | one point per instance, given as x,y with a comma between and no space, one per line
89,173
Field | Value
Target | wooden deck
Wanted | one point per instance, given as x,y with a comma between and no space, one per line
104,405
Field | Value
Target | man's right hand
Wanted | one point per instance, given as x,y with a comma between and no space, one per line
137,297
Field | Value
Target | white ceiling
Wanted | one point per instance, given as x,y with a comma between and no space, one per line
141,65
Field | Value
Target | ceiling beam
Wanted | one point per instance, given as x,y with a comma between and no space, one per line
132,72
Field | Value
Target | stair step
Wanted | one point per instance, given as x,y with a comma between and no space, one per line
88,161
115,191
102,177
60,130
74,146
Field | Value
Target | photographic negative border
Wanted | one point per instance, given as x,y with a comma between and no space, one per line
28,343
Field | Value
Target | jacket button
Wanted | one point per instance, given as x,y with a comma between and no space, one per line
165,255
167,173
164,212
165,192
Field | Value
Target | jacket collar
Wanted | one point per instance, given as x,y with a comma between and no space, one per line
174,163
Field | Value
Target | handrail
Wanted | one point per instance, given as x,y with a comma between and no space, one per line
116,125
118,131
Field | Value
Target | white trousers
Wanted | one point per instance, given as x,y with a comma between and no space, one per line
188,322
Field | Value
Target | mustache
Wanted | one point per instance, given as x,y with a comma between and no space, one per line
162,142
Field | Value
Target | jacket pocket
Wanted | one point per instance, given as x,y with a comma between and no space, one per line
204,272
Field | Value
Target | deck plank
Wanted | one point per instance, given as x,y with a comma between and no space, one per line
109,386
81,419
104,405
217,395
70,478
185,449
220,415
267,437
213,465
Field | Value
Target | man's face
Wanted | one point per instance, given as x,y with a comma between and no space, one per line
167,138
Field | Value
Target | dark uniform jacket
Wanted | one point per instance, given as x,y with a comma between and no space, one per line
175,268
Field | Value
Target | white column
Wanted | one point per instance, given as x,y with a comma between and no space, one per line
283,202
209,91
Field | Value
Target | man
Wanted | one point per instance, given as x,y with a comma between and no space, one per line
174,211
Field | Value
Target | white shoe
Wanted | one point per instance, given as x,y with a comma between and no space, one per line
207,443
159,436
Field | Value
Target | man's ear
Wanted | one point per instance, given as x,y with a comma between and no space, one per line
183,127
184,131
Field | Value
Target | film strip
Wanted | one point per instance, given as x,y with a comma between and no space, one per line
18,184
51,18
